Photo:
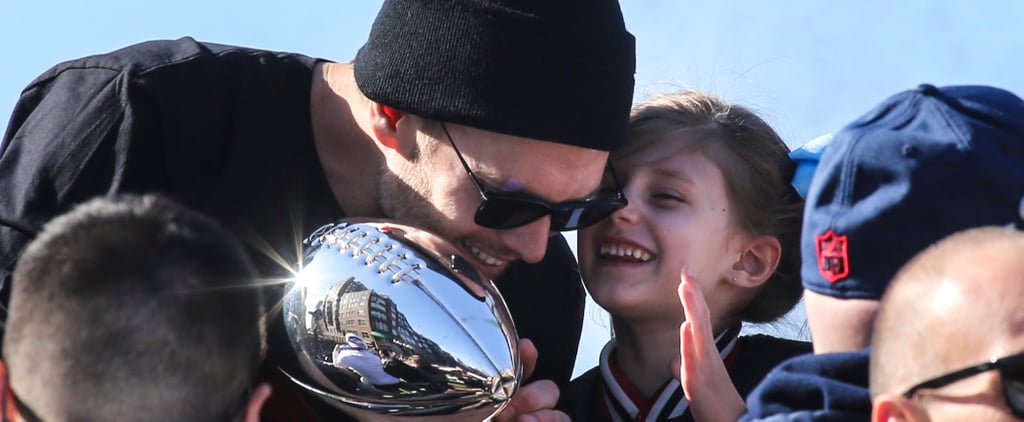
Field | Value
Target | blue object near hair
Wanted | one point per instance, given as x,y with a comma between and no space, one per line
806,159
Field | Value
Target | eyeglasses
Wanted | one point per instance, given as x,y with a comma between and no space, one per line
507,210
1011,373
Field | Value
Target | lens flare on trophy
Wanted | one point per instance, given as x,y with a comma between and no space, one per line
390,322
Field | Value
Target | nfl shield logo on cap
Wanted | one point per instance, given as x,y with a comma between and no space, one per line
833,259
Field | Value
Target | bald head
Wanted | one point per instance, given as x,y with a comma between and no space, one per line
955,304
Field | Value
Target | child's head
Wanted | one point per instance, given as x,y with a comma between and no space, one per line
134,297
709,189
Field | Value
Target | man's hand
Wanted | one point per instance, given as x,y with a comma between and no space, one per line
534,402
700,369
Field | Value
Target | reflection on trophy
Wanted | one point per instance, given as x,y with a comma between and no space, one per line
390,322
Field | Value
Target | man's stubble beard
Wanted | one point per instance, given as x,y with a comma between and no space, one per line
401,200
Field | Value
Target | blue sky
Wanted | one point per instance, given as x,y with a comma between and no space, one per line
808,67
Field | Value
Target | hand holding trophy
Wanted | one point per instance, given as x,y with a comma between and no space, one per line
390,322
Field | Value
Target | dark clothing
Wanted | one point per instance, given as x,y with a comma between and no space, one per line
221,129
227,131
749,360
825,387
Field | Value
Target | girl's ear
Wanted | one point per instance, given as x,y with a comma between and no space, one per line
385,124
757,261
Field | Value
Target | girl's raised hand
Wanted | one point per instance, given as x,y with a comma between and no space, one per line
700,368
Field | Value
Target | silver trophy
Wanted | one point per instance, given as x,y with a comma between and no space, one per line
390,322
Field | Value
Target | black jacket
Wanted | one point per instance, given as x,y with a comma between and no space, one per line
752,358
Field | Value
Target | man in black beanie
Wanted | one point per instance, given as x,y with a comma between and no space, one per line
485,121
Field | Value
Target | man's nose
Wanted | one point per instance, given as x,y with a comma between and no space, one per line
529,241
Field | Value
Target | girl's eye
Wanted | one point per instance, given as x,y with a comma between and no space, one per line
664,196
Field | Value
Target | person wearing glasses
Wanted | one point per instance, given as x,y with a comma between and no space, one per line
133,308
958,356
921,165
710,201
272,144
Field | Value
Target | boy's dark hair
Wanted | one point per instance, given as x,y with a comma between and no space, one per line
133,308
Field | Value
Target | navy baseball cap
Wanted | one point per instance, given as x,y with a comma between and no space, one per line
923,164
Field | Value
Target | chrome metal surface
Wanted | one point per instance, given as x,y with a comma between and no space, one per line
390,322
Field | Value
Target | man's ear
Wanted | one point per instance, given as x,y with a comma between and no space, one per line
894,407
256,401
10,410
385,124
756,263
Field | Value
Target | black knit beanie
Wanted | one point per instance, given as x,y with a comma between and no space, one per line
553,70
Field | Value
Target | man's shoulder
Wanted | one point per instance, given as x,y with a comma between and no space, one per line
152,55
823,387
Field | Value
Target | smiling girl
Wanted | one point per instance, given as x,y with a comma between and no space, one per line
712,216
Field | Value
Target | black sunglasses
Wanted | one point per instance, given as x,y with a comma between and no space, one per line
506,210
1011,373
